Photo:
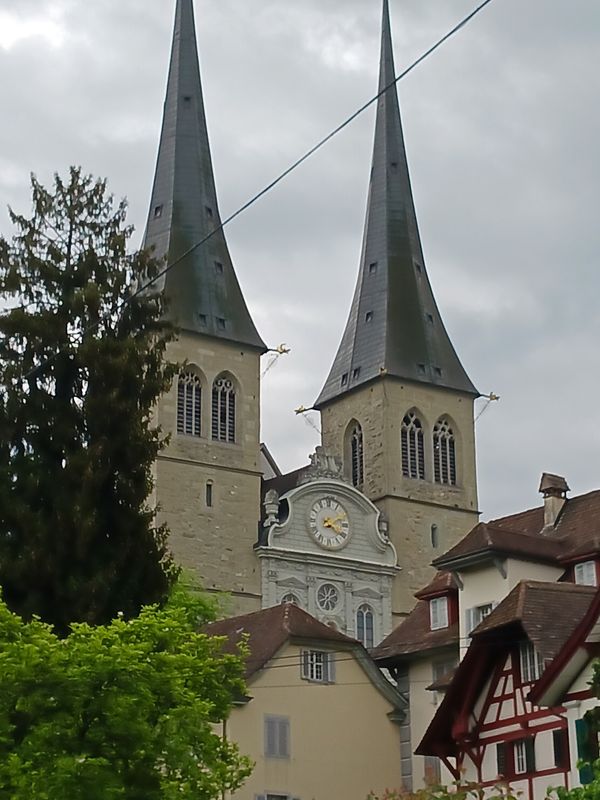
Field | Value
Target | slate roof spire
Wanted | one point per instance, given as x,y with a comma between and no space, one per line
203,292
394,326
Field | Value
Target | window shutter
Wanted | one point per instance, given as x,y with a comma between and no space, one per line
330,668
305,664
530,754
284,738
470,619
584,750
561,748
501,758
270,737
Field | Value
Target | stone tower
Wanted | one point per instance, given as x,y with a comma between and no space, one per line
207,478
397,406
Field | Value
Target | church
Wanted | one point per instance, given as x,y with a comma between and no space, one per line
350,537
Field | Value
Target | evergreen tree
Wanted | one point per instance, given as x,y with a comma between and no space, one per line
81,367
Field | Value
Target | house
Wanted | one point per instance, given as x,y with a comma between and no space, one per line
487,729
505,601
319,720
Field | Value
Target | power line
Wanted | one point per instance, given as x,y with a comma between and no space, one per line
294,166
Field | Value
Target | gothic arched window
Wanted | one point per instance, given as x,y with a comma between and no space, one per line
364,625
444,453
223,409
355,452
413,450
189,404
290,598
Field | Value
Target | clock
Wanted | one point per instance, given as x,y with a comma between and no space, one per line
328,523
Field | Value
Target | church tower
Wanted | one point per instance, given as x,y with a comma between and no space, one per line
208,477
397,406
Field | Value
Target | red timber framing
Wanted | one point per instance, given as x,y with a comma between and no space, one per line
492,715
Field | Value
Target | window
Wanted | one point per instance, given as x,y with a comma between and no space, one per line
357,469
501,759
355,373
413,452
290,598
218,268
327,597
372,267
432,771
585,573
442,669
344,379
317,666
369,316
524,756
364,625
560,747
438,613
435,536
477,614
158,210
189,396
444,453
277,737
209,494
223,410
532,664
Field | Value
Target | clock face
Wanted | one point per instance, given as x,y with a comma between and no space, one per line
328,523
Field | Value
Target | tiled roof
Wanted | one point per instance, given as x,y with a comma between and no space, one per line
268,630
578,526
414,635
443,582
546,611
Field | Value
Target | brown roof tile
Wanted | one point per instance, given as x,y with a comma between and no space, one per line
268,630
547,612
442,582
413,635
520,534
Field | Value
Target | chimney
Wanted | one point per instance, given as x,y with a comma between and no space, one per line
554,489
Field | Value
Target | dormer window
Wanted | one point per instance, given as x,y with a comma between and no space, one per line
532,663
438,613
585,573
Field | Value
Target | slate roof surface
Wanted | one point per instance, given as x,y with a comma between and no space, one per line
413,635
576,531
547,612
394,324
202,289
268,630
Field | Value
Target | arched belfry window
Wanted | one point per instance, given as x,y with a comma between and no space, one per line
355,452
444,453
223,409
413,450
364,625
189,404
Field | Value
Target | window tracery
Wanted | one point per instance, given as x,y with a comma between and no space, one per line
444,453
223,409
189,404
412,447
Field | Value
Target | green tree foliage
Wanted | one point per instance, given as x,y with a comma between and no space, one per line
126,711
80,372
459,790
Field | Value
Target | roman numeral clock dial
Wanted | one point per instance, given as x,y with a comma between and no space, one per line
328,523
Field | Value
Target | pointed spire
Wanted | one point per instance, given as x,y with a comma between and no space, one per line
394,326
203,292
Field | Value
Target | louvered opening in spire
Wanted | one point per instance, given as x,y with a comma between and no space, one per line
394,326
202,290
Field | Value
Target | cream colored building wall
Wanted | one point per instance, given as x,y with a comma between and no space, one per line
492,583
215,542
342,743
411,506
423,705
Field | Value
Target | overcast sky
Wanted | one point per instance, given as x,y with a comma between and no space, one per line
502,128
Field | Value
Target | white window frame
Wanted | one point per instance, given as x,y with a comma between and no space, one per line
477,614
438,613
520,757
317,666
585,573
277,734
532,663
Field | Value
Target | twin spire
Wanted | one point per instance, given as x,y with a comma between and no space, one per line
394,327
202,290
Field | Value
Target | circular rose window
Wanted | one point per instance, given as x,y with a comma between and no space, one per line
327,597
